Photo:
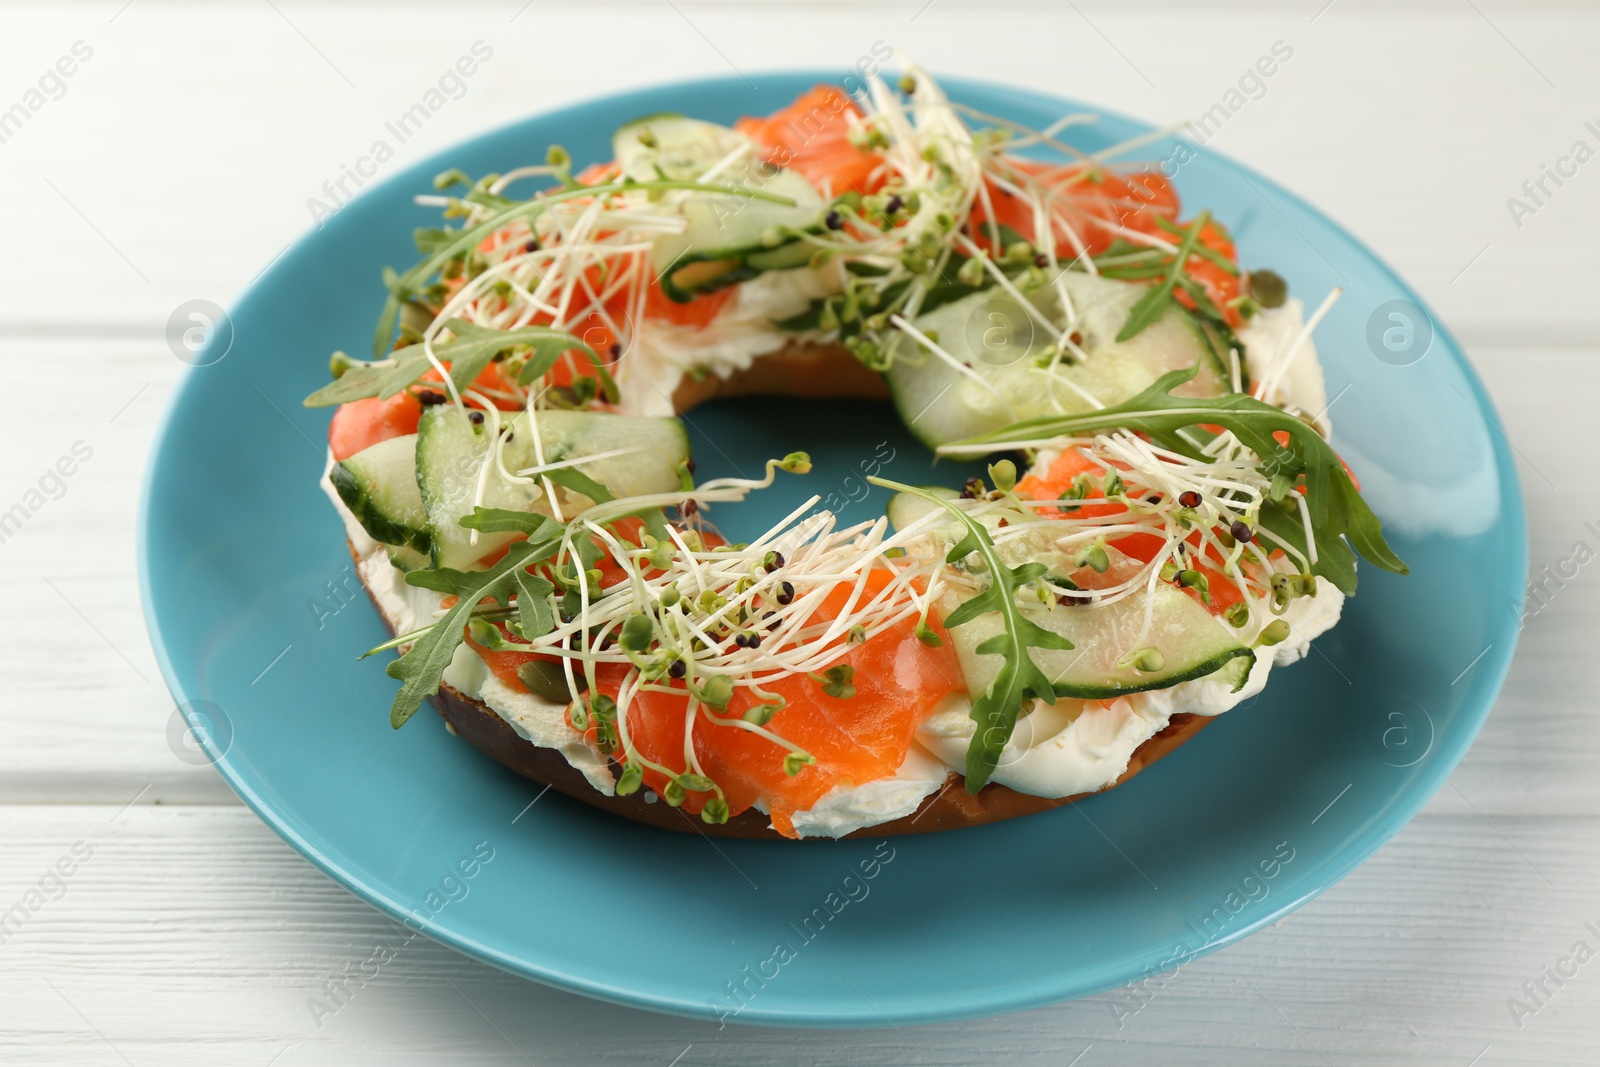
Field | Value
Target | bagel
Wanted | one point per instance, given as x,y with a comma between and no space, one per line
950,808
506,472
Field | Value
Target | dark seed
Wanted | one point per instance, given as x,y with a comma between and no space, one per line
1041,260
475,417
428,398
741,640
973,489
678,668
688,465
1189,499
777,561
755,640
688,507
616,350
833,221
1241,530
532,245
1153,498
894,204
786,593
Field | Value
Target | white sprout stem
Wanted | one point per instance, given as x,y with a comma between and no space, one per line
1282,360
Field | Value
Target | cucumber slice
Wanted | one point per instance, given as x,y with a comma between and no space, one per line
379,486
682,148
904,509
1192,642
722,243
409,559
451,450
995,337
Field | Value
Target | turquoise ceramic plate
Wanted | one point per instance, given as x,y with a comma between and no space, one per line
257,622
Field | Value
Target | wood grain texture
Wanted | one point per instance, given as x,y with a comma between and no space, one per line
177,164
193,935
1389,152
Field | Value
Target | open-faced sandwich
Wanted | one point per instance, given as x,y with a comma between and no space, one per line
1163,520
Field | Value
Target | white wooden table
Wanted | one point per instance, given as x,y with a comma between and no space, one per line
176,161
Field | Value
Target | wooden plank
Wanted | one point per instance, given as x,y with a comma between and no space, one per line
192,935
217,149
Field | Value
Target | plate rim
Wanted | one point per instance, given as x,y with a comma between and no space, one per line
997,999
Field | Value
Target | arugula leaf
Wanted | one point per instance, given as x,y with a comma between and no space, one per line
471,349
422,668
474,346
1153,304
1223,262
535,617
534,614
1336,508
365,380
577,481
572,478
503,520
995,711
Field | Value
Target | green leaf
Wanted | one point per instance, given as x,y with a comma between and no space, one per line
492,637
1153,304
995,711
422,668
1337,512
474,347
577,481
502,520
638,632
365,380
838,681
535,616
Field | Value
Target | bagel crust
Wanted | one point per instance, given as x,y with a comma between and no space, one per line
951,808
805,369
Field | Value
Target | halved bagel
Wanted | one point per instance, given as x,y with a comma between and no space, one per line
812,371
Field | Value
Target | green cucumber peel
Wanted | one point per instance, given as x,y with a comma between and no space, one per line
995,711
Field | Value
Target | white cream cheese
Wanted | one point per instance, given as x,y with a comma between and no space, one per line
1267,337
1077,746
664,352
846,808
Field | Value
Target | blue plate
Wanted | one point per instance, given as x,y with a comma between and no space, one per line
257,621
